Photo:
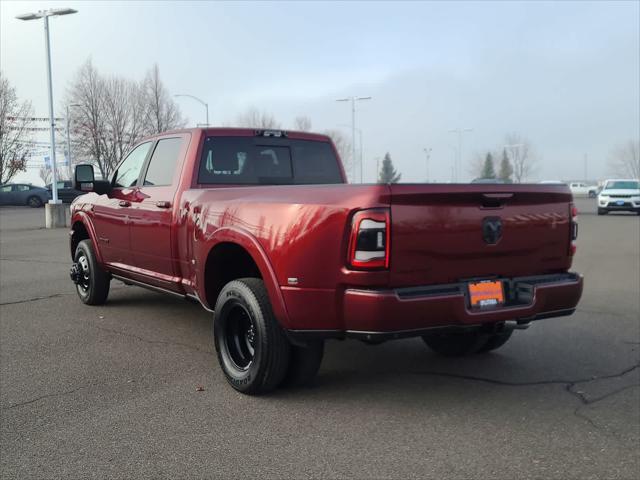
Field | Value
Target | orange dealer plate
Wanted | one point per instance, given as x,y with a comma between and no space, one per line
487,293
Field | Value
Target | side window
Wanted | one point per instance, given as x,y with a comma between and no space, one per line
23,188
129,170
5,189
163,162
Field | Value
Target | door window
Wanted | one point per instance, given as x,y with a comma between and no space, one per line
5,189
129,170
23,188
163,162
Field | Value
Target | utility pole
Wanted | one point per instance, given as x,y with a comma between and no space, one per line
200,101
353,101
458,161
427,152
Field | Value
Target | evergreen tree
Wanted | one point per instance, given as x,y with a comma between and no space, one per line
487,170
388,173
506,170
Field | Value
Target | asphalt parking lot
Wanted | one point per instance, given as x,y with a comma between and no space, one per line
111,391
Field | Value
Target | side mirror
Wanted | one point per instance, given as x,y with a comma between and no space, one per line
85,180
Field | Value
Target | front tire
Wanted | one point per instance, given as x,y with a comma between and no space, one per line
456,344
252,348
92,282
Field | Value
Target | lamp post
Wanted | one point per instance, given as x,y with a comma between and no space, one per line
206,105
457,165
427,152
360,135
353,101
69,134
45,14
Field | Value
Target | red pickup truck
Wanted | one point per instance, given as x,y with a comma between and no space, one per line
261,228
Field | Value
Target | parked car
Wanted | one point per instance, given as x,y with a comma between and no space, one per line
23,194
488,180
619,195
66,191
261,228
583,189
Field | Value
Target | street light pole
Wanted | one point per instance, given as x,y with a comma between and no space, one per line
205,104
353,101
45,14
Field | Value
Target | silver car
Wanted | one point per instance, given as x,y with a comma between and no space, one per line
23,194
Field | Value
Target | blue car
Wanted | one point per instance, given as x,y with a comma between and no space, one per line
23,194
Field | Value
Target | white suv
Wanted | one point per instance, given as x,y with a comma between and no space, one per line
619,195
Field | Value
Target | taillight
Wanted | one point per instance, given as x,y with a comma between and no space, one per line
369,241
573,226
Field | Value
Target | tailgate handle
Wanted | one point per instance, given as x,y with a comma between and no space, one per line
495,200
124,203
163,204
497,196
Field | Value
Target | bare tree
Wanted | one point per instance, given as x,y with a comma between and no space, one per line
302,123
45,174
625,159
115,113
162,113
343,146
88,119
521,155
15,135
253,118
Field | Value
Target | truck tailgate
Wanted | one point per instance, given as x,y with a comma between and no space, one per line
446,233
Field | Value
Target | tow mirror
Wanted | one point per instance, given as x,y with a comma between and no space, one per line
85,180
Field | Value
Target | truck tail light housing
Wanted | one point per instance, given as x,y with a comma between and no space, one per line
369,239
573,228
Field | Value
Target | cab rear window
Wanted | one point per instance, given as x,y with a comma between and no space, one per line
267,161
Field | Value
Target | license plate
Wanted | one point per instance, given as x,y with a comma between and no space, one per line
619,202
486,293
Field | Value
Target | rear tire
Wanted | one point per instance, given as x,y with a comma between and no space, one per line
456,344
495,341
304,364
34,202
602,211
252,348
94,282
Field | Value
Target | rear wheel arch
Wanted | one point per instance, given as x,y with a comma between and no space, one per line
244,258
226,262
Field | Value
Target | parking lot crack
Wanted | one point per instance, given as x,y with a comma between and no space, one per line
153,342
35,299
42,397
569,384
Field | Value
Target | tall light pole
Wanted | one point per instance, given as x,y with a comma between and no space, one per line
206,105
360,135
460,132
353,101
69,134
427,152
45,14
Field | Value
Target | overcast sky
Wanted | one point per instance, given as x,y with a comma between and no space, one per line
565,75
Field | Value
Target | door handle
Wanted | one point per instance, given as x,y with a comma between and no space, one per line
124,203
163,204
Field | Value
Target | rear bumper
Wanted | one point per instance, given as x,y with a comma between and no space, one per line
406,312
